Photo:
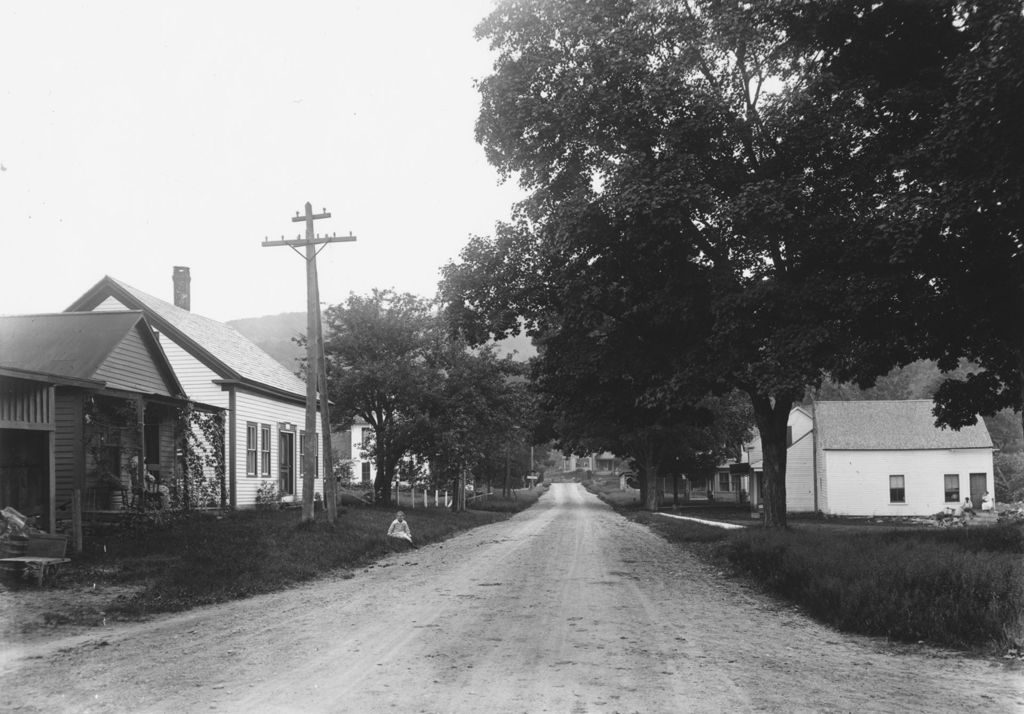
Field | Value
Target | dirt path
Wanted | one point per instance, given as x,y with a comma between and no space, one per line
564,608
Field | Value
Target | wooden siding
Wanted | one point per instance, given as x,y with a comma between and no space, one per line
131,367
168,450
859,480
69,448
800,423
25,405
195,377
264,410
800,474
111,304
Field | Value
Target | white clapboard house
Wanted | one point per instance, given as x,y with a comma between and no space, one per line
216,365
878,458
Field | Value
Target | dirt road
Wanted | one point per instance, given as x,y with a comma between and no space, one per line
564,608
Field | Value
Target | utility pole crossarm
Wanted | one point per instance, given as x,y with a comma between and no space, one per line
298,218
309,241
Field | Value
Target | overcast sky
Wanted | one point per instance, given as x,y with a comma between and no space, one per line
139,136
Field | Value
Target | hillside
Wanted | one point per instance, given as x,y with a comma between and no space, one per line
274,335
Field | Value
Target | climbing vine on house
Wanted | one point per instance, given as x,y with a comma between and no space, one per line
203,452
111,445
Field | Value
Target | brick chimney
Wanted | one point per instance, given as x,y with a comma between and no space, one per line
182,291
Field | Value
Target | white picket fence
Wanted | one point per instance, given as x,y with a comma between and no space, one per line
422,498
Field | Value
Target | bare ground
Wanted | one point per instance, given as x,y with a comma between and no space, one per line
564,608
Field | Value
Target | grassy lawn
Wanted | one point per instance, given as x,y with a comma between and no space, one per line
192,559
960,587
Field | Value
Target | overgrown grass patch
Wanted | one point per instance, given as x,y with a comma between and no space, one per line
200,559
961,588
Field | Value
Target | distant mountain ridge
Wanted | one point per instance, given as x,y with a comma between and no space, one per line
275,334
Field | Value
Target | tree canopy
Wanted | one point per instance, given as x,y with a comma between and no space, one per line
704,173
425,394
377,348
959,215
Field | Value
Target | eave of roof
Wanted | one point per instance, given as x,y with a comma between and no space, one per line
44,377
287,386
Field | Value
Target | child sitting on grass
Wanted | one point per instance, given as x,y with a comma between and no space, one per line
400,530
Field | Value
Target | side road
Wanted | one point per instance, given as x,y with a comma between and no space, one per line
564,607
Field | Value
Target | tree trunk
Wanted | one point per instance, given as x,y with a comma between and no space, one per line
650,490
771,419
641,477
648,468
385,476
1020,376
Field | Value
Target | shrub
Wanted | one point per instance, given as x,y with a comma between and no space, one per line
267,496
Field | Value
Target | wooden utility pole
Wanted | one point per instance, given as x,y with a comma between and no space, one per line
315,369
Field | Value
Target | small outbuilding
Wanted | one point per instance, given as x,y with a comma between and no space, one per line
879,458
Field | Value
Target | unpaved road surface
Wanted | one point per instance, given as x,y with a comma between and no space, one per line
564,608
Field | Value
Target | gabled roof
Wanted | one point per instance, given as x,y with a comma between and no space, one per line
220,347
73,346
891,425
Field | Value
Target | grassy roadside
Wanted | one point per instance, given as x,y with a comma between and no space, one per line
193,559
962,587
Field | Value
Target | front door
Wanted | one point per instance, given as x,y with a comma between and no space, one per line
978,489
286,459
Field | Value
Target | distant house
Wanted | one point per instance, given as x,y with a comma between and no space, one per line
603,463
216,365
878,458
352,446
88,401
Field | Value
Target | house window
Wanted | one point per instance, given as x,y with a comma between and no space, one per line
250,449
265,450
724,481
366,472
302,455
952,488
897,490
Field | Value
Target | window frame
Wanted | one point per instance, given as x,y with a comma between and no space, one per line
947,492
266,467
724,482
251,447
898,494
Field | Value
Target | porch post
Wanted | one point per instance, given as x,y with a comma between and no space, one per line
51,448
231,446
140,433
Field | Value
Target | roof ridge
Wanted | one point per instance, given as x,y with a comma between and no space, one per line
223,344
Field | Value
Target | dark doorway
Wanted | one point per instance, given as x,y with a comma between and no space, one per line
25,473
978,489
286,461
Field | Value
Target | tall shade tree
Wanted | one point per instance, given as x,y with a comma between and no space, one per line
378,347
705,167
960,218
